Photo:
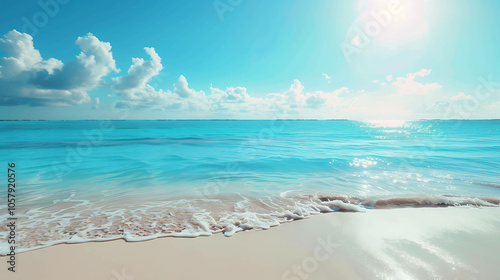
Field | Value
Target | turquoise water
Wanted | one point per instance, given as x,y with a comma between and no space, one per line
86,180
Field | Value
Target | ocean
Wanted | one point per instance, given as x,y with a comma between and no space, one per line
79,181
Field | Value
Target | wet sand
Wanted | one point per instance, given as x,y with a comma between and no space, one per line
408,243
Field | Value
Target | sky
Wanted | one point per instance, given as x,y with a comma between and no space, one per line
242,59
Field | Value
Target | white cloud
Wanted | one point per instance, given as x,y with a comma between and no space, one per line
234,101
85,73
22,56
134,84
408,86
135,91
295,101
392,101
328,78
27,79
460,96
182,89
230,95
189,98
293,97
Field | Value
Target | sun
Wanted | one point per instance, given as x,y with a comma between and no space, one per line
391,21
384,29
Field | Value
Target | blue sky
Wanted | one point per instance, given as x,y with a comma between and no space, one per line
366,59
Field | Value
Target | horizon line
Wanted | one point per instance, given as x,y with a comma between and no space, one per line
298,119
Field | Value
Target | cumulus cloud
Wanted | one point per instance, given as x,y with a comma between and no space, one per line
404,97
188,98
229,102
293,97
230,95
235,101
296,101
85,73
386,101
27,79
22,56
134,84
182,88
409,86
135,91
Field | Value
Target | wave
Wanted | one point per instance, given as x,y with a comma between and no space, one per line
417,202
75,221
114,142
492,185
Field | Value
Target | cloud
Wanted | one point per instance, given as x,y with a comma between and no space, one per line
295,100
460,96
395,100
404,98
134,84
188,98
27,79
22,56
85,73
135,92
230,95
234,101
292,98
328,78
408,86
229,102
182,88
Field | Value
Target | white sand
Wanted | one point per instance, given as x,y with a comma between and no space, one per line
430,243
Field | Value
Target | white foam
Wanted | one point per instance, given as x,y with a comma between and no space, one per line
77,221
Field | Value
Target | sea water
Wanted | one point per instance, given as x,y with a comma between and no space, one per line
100,180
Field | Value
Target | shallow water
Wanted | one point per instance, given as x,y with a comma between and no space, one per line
87,180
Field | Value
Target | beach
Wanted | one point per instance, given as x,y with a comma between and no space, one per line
262,140
406,243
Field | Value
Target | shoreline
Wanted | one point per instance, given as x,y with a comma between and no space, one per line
405,243
320,204
52,225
